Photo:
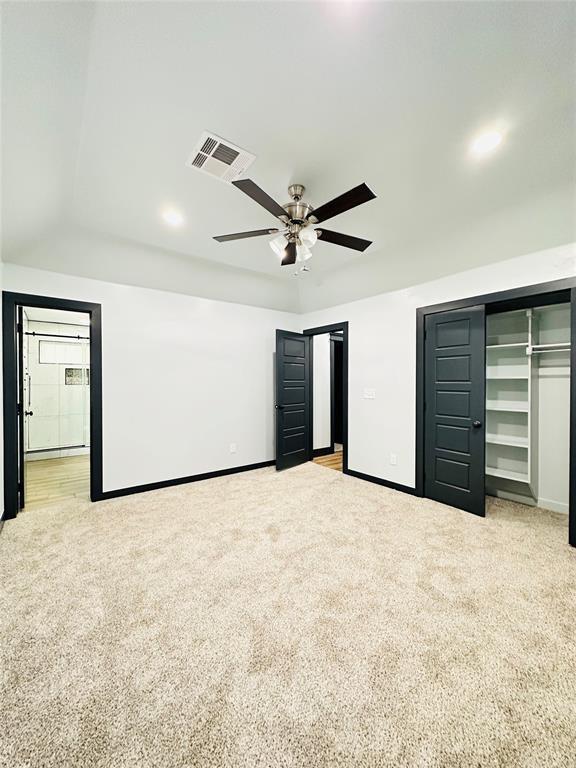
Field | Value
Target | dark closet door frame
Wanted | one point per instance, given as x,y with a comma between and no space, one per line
10,304
320,330
540,294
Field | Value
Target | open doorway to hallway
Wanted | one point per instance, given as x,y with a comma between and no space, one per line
328,400
55,371
52,400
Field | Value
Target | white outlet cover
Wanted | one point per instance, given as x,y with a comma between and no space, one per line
369,394
232,447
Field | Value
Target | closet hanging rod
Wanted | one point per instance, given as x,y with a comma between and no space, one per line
551,346
55,335
551,349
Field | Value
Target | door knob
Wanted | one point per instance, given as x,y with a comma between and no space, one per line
279,407
28,413
476,424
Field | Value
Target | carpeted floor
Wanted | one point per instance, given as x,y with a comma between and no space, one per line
268,620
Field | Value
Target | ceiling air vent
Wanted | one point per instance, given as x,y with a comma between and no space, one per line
220,158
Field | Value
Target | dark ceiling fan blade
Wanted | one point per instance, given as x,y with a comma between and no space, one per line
258,195
242,235
352,198
289,255
348,241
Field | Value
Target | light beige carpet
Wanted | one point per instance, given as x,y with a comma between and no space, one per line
270,620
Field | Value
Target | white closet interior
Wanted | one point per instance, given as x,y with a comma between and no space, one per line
528,406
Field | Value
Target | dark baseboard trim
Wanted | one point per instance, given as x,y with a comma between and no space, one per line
322,451
181,480
379,481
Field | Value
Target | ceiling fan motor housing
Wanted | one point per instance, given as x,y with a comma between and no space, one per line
296,209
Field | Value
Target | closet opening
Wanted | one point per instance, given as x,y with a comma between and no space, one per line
496,401
528,406
52,401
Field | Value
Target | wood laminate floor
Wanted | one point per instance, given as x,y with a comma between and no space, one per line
332,461
52,479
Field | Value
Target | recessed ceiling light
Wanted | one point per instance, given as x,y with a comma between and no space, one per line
173,217
486,142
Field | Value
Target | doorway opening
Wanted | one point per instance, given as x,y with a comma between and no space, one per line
311,383
328,400
52,401
56,396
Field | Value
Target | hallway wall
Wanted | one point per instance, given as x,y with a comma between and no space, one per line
321,391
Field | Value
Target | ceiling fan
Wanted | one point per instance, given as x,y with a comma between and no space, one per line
299,233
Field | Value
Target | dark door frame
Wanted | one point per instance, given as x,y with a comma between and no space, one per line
540,294
318,331
10,303
335,338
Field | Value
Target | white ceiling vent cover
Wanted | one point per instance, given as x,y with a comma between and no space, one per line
220,158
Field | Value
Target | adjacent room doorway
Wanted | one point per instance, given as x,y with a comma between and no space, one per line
52,401
327,400
312,397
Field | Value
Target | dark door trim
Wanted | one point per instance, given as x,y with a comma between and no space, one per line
10,303
553,292
333,340
318,332
21,407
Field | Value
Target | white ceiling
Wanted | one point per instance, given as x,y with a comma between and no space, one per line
104,103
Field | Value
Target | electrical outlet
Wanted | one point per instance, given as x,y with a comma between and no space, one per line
369,394
393,459
232,447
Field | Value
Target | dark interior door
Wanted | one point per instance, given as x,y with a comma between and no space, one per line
293,427
21,406
454,408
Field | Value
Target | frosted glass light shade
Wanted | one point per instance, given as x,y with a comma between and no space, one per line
278,245
308,236
302,253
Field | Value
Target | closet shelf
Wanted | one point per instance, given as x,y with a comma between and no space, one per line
510,440
504,377
507,474
516,345
492,405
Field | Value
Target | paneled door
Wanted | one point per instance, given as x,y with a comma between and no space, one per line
454,408
293,427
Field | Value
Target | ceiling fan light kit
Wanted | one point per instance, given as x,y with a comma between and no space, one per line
300,234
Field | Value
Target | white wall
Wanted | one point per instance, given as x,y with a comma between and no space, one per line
183,377
382,355
321,391
554,431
